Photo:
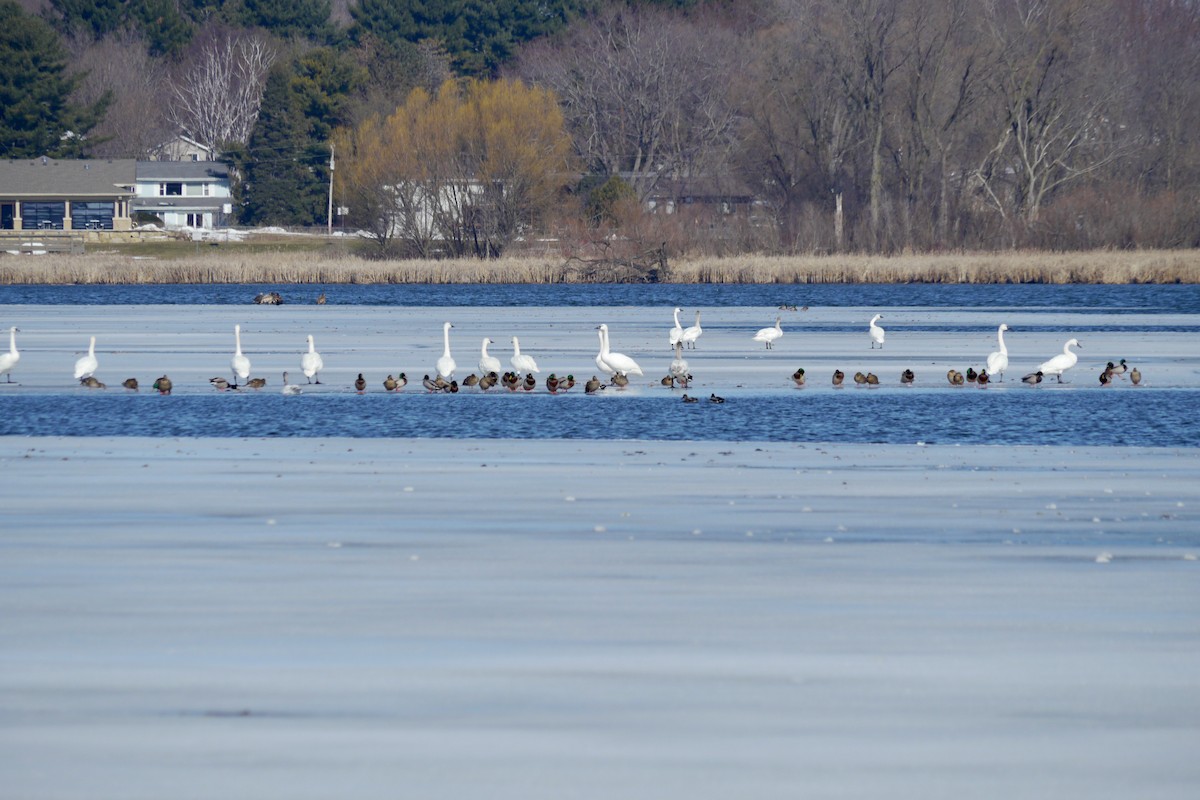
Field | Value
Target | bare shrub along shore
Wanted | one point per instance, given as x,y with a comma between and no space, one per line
1113,267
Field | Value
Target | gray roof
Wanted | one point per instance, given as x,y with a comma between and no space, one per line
192,171
176,203
51,178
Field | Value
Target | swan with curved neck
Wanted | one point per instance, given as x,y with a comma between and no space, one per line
520,362
676,333
617,363
679,366
88,364
311,362
1061,362
876,332
239,363
488,363
445,364
997,362
768,336
9,360
690,335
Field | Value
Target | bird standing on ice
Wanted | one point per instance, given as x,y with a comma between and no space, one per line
1061,362
997,362
876,332
678,369
770,335
9,360
311,362
488,363
239,363
88,364
445,365
691,334
676,333
615,363
520,362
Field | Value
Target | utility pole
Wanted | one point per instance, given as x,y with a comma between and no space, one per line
329,222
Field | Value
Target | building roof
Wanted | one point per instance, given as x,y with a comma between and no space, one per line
179,204
67,178
194,171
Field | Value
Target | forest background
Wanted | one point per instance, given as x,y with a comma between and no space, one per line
473,128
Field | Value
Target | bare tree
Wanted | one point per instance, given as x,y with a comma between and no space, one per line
216,100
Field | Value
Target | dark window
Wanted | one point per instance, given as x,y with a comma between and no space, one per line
6,216
92,216
42,215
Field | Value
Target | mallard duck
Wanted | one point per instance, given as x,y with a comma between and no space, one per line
321,299
950,373
668,381
689,399
429,384
130,383
552,383
959,379
1105,377
256,383
1135,376
360,384
471,380
1033,378
907,377
566,384
712,398
389,384
592,386
219,383
92,383
453,387
530,383
163,385
872,379
1119,368
620,381
798,377
860,379
982,378
838,377
971,374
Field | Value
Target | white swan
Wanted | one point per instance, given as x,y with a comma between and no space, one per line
87,365
679,366
771,334
600,363
690,335
521,363
311,362
9,360
676,333
876,332
1061,362
239,363
289,388
445,364
997,362
488,363
618,363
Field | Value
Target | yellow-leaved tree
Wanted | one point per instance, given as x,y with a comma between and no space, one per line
462,172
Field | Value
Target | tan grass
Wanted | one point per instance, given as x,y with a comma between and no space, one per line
1115,267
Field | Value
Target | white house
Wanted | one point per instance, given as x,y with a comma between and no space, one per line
184,194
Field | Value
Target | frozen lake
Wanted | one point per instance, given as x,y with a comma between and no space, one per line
220,595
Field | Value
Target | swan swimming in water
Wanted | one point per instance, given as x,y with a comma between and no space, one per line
88,364
690,335
311,362
770,335
1061,362
289,388
239,363
997,362
488,363
676,334
522,363
445,364
618,363
9,360
876,332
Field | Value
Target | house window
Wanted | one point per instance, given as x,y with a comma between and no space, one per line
170,189
43,215
92,216
195,220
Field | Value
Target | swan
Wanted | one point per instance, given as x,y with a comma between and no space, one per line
445,364
998,362
678,370
690,335
311,362
600,363
876,332
87,365
239,363
289,388
9,360
520,362
488,363
676,333
618,363
769,335
1061,362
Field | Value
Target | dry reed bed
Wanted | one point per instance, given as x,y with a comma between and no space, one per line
1115,267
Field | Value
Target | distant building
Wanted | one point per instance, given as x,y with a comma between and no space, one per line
67,195
184,194
182,148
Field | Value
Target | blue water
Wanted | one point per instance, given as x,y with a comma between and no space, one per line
1090,298
969,416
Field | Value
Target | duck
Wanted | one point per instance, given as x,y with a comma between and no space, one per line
950,373
130,384
860,378
488,363
619,363
712,398
453,387
592,386
552,383
566,384
982,378
530,382
445,365
1062,362
798,377
256,383
163,385
838,377
289,388
87,365
691,334
471,380
9,360
311,362
769,336
907,377
689,399
401,381
92,383
1106,377
321,299
678,369
877,333
488,381
511,381
219,383
430,385
522,363
1119,368
389,384
675,336
360,384
872,379
997,362
668,381
239,364
1033,378
959,379
1135,376
620,381
971,374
